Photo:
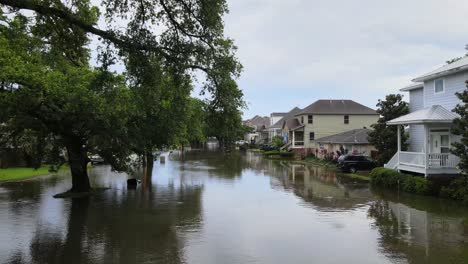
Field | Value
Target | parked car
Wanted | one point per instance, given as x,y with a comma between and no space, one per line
353,163
267,147
96,159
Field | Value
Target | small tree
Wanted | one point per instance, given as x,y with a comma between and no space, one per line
384,137
277,142
461,128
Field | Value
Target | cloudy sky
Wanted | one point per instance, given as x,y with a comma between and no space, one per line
297,51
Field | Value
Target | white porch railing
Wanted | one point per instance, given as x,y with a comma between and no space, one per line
298,143
413,159
393,163
434,160
443,160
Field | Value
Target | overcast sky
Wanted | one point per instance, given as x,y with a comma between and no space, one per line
297,51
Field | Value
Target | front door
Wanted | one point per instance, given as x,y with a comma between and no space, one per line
440,142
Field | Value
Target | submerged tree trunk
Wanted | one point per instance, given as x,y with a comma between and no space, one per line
78,160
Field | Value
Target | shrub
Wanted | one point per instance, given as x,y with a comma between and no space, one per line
456,190
391,179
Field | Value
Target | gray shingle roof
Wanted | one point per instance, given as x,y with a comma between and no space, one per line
355,136
288,115
293,124
330,107
433,114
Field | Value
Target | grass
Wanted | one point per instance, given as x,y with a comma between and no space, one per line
320,162
16,174
355,176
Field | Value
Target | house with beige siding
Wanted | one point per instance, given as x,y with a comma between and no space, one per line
325,118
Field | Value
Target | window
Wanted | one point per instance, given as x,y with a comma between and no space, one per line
346,119
312,136
439,86
302,119
310,119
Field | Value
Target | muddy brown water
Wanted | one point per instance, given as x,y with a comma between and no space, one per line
206,207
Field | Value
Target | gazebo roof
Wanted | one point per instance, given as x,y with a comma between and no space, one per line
434,114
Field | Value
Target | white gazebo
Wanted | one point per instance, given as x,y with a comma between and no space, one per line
435,157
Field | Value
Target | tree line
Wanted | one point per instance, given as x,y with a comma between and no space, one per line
58,92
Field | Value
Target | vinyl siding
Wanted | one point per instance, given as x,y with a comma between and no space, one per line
327,125
416,132
416,98
416,139
452,84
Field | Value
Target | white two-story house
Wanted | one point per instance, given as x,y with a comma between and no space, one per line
431,99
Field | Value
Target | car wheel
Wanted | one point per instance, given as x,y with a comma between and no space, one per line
352,170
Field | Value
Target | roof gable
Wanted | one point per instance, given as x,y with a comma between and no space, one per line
288,115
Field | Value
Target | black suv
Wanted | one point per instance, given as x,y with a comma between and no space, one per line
353,163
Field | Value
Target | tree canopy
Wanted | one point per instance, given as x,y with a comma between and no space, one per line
460,128
384,137
48,85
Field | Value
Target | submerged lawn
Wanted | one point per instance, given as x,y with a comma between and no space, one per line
12,174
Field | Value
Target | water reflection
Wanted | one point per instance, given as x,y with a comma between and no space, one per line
210,207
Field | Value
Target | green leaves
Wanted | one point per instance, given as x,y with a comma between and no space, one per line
460,128
384,137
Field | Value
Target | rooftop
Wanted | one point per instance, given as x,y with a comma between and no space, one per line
447,69
330,107
413,86
355,136
433,114
288,115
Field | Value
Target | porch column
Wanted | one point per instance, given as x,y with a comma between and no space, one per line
426,148
293,139
399,138
399,143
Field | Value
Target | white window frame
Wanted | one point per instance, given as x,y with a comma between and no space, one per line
443,86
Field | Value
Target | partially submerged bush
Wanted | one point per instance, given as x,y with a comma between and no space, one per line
392,179
456,190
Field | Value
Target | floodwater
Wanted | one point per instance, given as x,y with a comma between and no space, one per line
205,207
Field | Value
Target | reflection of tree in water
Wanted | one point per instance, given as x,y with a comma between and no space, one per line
129,227
418,236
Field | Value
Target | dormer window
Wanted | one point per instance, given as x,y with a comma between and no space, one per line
439,86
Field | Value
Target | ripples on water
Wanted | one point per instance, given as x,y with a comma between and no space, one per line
206,207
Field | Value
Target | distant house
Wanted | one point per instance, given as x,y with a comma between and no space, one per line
353,141
431,100
271,130
275,129
258,123
325,118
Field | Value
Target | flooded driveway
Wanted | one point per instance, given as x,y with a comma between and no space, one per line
204,207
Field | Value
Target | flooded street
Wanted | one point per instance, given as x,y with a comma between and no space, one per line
204,207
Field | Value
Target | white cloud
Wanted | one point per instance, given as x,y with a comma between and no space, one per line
299,50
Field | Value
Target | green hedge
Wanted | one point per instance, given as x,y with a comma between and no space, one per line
456,190
278,153
391,179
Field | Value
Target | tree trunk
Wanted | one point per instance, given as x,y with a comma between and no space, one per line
78,160
149,160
